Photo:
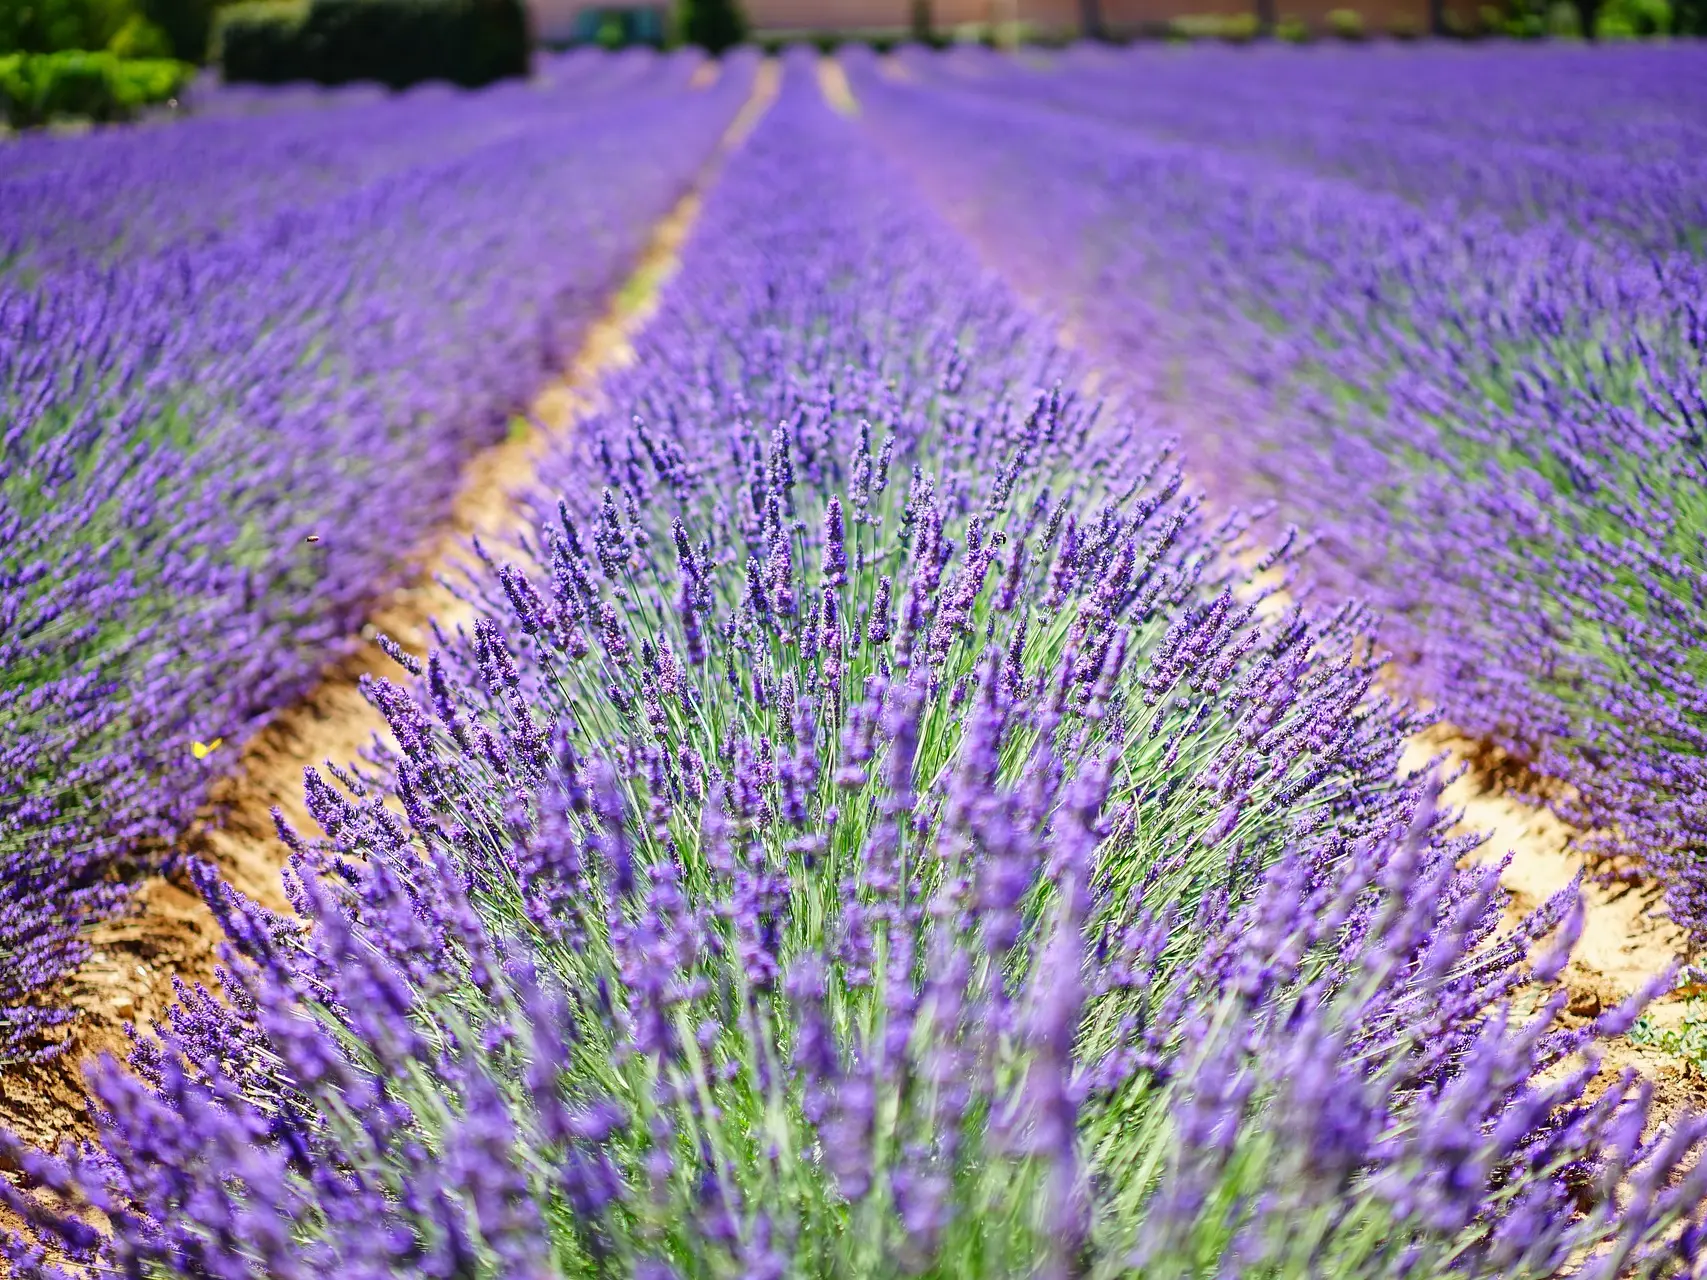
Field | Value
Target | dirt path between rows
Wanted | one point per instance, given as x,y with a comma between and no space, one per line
833,84
1625,941
169,932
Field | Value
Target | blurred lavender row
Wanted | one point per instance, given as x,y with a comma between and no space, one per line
241,362
1609,145
123,196
1480,383
876,827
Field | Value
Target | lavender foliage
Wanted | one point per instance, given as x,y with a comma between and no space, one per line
1481,383
881,823
241,360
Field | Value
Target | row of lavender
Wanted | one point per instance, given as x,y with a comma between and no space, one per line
1487,399
248,155
873,828
241,361
1611,147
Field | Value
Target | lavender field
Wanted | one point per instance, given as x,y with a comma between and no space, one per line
926,780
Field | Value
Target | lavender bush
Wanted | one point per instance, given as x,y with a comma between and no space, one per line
1487,402
221,338
874,829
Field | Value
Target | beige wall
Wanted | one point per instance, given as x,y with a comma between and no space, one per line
825,15
832,15
554,19
1119,15
846,15
1377,15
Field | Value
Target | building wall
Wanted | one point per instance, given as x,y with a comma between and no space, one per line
1064,15
552,16
554,20
855,15
1131,16
847,15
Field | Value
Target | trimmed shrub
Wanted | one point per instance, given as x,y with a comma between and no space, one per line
1516,20
261,42
1292,31
139,38
404,42
38,87
714,25
1346,24
1528,26
58,26
395,42
1237,28
1195,26
1632,19
186,24
143,82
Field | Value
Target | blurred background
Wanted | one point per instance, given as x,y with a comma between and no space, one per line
102,60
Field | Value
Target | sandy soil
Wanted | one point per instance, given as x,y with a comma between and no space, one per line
170,932
1624,942
833,84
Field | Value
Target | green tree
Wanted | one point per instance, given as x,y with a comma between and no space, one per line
50,26
1634,19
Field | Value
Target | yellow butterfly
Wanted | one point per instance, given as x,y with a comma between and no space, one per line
200,750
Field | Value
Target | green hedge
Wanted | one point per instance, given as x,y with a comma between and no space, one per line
1632,19
49,26
1346,24
715,25
261,43
1235,28
127,28
38,87
187,24
396,42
